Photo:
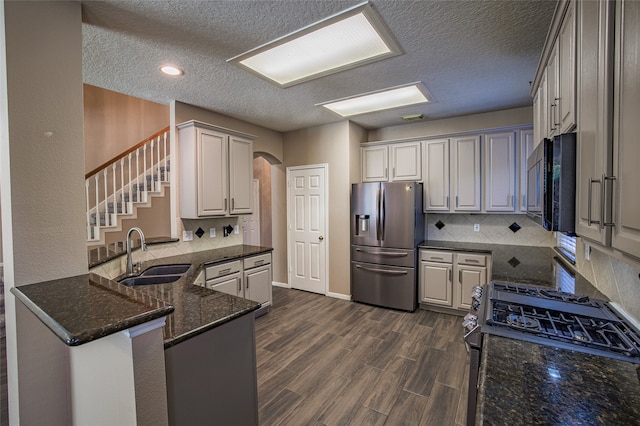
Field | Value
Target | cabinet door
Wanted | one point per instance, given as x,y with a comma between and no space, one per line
626,128
436,180
567,63
240,175
594,150
406,161
526,143
553,91
544,130
465,163
212,173
435,283
257,284
468,277
231,284
499,172
375,163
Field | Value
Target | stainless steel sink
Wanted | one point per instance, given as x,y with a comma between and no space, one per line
150,279
177,269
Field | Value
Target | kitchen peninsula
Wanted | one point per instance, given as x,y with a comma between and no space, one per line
208,337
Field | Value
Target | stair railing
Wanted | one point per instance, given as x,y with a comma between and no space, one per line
112,188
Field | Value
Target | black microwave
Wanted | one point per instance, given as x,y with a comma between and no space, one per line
551,183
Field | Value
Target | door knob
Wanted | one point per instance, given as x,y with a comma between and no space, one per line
321,238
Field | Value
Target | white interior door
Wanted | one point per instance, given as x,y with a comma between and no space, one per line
307,228
251,222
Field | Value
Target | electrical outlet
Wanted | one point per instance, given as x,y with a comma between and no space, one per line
187,235
212,232
476,227
236,229
587,252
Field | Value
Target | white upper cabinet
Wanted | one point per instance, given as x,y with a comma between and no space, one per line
566,102
500,172
392,162
406,161
594,132
375,163
465,173
216,171
436,175
526,143
555,94
626,128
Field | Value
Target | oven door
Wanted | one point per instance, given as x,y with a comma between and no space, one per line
473,342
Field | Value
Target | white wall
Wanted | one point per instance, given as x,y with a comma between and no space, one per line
42,180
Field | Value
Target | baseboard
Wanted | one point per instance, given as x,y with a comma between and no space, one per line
339,296
278,284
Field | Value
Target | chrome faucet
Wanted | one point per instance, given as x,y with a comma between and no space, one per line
143,246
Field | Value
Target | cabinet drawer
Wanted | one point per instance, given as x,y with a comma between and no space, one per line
436,256
252,262
472,259
223,269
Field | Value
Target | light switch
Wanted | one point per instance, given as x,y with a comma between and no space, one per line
187,235
236,229
212,232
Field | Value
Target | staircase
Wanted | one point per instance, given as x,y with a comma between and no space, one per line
116,189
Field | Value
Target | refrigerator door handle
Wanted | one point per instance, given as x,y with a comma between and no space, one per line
378,215
382,214
384,253
383,271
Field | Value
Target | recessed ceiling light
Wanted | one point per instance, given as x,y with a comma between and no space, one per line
393,97
354,37
171,70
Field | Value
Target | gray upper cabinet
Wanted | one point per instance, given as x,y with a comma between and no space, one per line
392,162
216,171
626,128
500,172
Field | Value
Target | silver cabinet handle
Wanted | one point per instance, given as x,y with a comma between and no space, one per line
233,204
239,285
456,201
460,276
447,201
470,261
603,222
247,282
450,275
589,201
225,204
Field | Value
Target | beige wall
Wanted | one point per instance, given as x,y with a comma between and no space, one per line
114,122
42,178
467,123
331,144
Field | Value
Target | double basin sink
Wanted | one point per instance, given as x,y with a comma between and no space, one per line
161,274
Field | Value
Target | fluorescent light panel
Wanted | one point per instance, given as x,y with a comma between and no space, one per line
351,38
394,97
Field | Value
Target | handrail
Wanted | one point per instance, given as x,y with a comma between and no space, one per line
127,152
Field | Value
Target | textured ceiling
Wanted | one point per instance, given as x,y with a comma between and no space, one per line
473,56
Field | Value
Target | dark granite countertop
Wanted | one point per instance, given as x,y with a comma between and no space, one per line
524,383
102,254
198,309
540,266
87,307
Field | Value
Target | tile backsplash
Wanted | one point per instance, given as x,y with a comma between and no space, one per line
116,267
491,228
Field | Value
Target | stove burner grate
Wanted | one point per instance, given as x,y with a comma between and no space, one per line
613,336
545,293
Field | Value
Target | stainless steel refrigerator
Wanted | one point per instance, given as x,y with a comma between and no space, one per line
387,224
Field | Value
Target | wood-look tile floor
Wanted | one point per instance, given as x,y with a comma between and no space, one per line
325,361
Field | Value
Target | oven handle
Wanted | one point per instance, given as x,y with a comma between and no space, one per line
383,271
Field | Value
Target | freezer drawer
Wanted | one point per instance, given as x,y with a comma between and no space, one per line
387,286
384,256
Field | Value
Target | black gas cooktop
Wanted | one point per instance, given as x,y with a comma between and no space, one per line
556,318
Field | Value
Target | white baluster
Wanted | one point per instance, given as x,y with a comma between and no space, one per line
86,190
153,187
107,219
144,168
97,200
115,200
130,180
124,204
138,172
166,166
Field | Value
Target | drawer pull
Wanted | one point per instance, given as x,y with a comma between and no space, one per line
224,271
258,262
471,260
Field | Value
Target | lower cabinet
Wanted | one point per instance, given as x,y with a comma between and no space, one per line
447,277
249,278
